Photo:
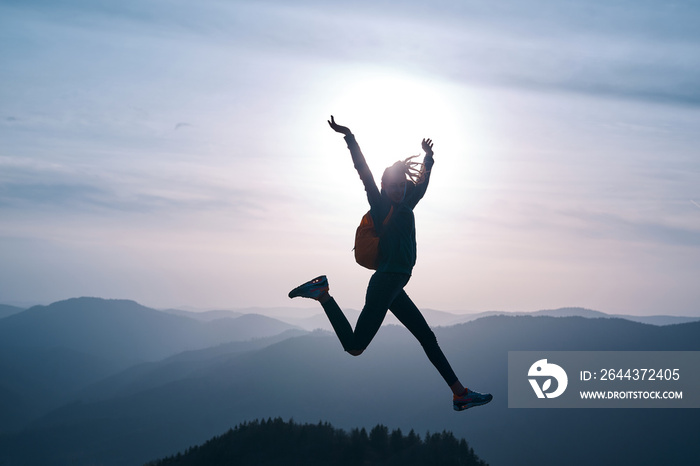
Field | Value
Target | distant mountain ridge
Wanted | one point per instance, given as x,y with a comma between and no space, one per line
316,319
582,312
49,352
206,316
189,363
169,406
311,318
124,330
7,310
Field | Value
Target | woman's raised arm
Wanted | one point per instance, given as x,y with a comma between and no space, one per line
373,194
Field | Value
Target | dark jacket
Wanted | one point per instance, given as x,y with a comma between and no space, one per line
397,239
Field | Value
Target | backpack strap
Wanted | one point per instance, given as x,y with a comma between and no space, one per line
384,223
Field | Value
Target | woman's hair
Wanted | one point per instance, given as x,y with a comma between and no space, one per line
414,171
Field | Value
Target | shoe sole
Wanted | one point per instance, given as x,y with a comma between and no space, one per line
470,405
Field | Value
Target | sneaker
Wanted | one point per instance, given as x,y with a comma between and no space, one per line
312,289
470,399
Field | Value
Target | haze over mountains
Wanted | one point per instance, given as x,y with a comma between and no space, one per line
314,318
88,381
444,319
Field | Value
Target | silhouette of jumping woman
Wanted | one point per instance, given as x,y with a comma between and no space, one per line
402,186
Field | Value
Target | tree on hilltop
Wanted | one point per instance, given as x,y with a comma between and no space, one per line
274,442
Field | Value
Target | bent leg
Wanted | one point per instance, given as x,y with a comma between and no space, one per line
381,292
339,323
410,316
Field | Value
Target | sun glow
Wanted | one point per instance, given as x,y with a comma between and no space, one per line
390,113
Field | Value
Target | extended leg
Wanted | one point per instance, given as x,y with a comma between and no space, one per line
410,316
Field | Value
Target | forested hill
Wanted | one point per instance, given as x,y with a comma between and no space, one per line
275,442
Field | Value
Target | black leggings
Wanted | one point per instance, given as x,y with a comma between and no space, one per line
385,292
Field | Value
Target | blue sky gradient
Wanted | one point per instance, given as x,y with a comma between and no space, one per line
177,153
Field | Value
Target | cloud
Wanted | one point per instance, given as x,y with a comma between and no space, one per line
51,194
607,225
39,187
623,50
626,50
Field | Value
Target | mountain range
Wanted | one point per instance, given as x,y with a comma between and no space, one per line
49,352
129,384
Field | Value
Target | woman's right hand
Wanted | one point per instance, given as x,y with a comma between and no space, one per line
338,128
427,146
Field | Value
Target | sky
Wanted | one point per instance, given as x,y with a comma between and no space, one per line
177,153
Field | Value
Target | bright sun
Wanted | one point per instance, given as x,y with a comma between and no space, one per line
390,113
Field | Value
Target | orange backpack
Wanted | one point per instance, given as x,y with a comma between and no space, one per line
367,241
